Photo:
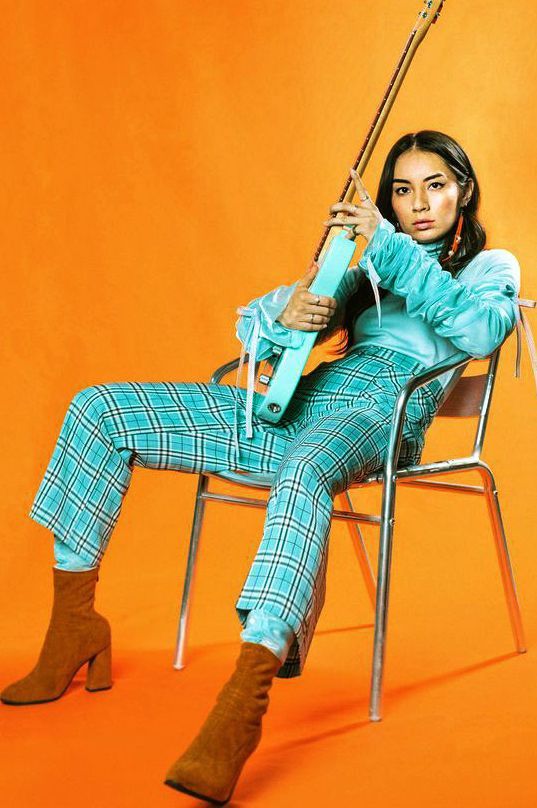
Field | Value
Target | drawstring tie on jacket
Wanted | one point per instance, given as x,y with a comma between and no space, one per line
247,311
522,322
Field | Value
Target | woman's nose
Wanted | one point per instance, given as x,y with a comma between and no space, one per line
420,203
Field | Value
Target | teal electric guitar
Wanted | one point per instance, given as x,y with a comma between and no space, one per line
279,375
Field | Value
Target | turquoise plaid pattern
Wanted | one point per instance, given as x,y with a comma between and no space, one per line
334,432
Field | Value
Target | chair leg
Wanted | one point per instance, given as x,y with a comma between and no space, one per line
197,520
383,586
361,552
502,550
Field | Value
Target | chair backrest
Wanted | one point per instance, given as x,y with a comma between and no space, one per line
471,396
466,397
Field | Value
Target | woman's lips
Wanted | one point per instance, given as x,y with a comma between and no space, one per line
423,225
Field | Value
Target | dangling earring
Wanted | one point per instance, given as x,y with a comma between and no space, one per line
457,239
397,226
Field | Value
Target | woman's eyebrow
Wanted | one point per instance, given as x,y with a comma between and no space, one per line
425,180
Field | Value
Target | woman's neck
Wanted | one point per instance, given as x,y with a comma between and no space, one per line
434,248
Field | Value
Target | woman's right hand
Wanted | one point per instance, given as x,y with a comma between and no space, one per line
306,311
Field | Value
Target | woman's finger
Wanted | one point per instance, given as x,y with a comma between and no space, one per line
347,207
324,301
355,215
343,220
309,276
307,325
361,190
320,313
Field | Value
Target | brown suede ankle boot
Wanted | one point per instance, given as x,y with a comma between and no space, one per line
210,767
76,634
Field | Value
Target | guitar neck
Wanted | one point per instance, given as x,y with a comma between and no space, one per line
426,18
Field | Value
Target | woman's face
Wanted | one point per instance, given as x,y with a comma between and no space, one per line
425,188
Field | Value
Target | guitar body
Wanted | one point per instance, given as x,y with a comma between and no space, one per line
289,365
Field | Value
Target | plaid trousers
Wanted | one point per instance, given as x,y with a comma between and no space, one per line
335,431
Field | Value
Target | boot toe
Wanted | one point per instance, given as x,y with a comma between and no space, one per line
192,778
20,692
34,689
9,694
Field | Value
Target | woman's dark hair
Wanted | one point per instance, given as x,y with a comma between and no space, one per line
473,236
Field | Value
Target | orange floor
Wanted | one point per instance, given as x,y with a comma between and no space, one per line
459,728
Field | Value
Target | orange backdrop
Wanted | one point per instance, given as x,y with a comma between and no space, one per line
167,162
164,163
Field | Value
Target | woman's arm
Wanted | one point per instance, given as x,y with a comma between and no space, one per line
282,316
263,315
271,306
476,311
268,308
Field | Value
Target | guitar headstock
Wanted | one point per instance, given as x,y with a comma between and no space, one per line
428,16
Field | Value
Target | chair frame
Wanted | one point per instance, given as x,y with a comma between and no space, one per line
391,475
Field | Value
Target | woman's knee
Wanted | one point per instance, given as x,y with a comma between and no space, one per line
305,471
94,399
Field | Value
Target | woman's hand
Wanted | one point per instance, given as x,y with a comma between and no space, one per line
364,217
306,311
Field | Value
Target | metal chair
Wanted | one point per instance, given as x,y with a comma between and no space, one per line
466,396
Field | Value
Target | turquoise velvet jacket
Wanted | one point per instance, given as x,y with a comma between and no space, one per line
428,314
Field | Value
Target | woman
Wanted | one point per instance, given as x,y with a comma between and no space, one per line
441,293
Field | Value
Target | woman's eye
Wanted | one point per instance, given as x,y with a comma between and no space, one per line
398,191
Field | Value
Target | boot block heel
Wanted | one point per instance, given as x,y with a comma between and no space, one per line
99,673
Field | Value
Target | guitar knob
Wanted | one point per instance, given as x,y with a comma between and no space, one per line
274,407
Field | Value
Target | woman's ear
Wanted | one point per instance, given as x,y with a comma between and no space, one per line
468,193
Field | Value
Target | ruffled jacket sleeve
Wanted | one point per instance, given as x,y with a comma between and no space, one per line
476,311
263,311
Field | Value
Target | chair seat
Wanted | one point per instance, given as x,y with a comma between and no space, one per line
243,478
266,480
405,473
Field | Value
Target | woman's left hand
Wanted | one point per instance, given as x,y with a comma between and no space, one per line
364,217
